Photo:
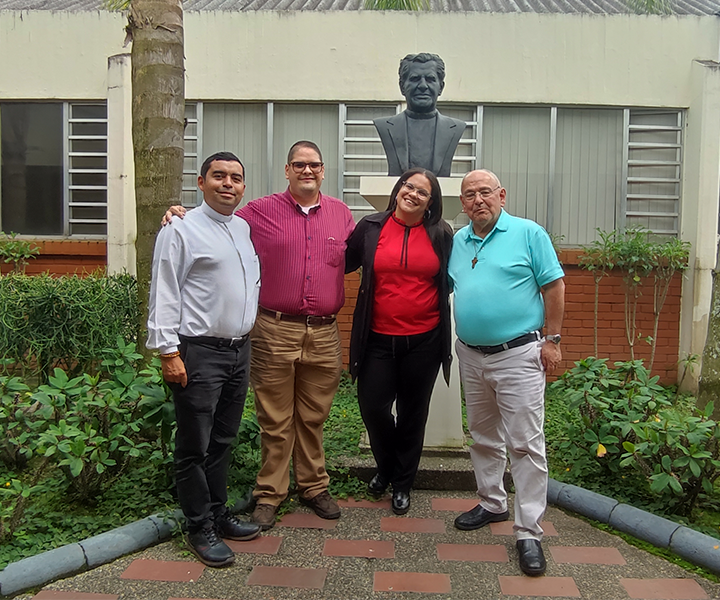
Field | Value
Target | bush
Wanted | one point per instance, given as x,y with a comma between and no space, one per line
64,322
630,435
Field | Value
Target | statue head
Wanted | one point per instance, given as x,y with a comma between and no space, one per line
422,79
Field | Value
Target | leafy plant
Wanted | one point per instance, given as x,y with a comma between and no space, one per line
630,428
15,251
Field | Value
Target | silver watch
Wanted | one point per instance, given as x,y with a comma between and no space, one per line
555,338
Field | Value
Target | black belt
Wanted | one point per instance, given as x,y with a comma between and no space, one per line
216,341
309,320
533,336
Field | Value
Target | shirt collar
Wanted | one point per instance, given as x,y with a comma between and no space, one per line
287,196
500,225
213,214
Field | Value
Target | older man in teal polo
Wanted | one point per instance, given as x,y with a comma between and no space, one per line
508,284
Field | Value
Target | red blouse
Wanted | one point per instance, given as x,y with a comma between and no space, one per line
406,298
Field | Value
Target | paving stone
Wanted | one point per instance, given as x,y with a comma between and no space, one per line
58,595
427,583
472,552
306,521
553,587
265,544
506,528
192,598
163,570
291,577
663,589
352,503
364,548
587,555
454,504
412,525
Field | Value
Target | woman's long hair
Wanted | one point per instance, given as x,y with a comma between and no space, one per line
433,213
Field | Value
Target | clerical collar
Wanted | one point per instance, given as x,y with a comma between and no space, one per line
213,214
416,115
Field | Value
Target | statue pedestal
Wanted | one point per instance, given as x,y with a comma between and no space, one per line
444,426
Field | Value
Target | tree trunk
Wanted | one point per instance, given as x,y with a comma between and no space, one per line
709,385
158,105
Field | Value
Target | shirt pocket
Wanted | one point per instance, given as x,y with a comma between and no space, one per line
335,252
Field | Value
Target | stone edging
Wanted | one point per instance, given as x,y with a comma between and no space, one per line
92,552
693,546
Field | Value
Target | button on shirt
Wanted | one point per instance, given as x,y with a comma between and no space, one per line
500,299
206,279
302,255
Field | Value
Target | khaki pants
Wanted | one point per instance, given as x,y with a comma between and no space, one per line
505,400
295,371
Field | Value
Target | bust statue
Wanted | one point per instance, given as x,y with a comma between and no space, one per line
420,136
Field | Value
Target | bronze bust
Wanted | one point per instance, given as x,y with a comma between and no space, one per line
420,136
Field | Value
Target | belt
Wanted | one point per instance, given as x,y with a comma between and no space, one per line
533,336
216,341
309,320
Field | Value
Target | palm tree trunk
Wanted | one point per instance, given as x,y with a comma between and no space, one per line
158,88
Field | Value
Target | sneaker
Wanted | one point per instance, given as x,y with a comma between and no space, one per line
232,528
209,548
323,505
264,515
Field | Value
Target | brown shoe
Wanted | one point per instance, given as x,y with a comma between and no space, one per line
323,505
264,515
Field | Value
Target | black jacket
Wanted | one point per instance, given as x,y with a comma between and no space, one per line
361,248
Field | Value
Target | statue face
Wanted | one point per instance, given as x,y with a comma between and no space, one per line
422,87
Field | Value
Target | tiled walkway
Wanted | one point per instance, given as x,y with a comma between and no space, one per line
371,554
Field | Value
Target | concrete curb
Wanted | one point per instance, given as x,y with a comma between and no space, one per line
693,546
92,552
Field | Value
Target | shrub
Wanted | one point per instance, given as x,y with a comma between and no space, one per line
629,427
64,322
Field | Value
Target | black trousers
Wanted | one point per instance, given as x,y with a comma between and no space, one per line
400,370
208,413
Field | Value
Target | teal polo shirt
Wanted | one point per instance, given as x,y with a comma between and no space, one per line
499,299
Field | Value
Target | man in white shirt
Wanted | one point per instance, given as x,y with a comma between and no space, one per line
203,304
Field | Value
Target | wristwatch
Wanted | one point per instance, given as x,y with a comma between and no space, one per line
554,338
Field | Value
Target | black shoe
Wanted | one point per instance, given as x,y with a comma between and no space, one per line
479,517
377,486
232,528
532,559
209,548
400,502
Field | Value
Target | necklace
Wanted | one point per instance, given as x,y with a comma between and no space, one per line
477,251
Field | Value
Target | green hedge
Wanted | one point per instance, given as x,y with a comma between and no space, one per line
66,322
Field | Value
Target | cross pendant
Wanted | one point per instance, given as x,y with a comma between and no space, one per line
474,261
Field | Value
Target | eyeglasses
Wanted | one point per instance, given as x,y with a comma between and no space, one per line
299,167
422,194
485,193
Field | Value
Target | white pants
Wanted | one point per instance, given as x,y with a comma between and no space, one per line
505,399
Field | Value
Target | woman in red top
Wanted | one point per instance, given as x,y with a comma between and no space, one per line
401,326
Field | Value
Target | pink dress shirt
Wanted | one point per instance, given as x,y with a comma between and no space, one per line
302,257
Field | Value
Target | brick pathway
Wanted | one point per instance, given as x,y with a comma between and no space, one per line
371,554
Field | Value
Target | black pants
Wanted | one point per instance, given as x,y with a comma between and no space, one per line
208,413
400,369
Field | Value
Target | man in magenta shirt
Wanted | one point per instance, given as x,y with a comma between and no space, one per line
299,236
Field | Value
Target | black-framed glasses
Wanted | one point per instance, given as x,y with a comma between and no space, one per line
299,167
422,194
485,193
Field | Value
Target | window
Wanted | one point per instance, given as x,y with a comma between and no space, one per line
53,168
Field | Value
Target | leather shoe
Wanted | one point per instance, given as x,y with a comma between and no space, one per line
479,517
377,486
400,502
232,528
532,559
209,548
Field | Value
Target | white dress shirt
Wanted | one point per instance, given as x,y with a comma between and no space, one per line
205,279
